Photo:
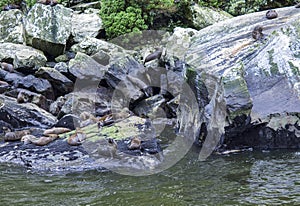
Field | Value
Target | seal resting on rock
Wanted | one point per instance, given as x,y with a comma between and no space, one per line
39,141
56,130
154,55
271,14
257,33
17,135
7,67
297,5
77,138
135,143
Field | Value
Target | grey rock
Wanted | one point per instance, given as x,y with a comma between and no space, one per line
22,56
48,28
11,27
60,83
85,67
24,115
87,24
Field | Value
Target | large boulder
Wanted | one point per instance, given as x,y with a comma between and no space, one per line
204,16
85,67
241,82
25,114
48,28
11,27
87,24
22,56
60,83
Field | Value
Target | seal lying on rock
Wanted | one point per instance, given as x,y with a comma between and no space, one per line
271,14
17,135
56,130
154,55
257,33
39,141
135,143
77,138
7,67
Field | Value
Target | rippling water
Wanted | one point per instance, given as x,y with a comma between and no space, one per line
251,178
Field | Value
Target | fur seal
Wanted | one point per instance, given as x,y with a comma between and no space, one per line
77,138
17,135
271,14
7,67
154,55
135,143
56,130
39,141
3,83
257,33
48,2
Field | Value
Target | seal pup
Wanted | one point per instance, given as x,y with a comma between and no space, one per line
135,143
257,33
39,141
155,55
271,14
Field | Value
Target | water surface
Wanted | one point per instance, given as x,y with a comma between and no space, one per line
250,178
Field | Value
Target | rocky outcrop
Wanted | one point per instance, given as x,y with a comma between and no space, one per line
21,56
241,82
11,27
24,115
48,28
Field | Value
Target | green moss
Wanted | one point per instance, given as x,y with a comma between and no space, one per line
294,69
274,67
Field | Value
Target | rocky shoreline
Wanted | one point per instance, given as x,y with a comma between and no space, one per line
218,87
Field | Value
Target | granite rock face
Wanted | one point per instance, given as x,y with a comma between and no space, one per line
241,82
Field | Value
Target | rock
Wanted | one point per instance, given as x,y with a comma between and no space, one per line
92,45
56,106
69,121
24,115
4,86
239,81
11,27
39,85
48,28
87,100
25,96
85,67
84,6
87,24
22,56
204,16
60,83
62,67
176,47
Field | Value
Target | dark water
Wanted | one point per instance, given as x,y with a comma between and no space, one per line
250,178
